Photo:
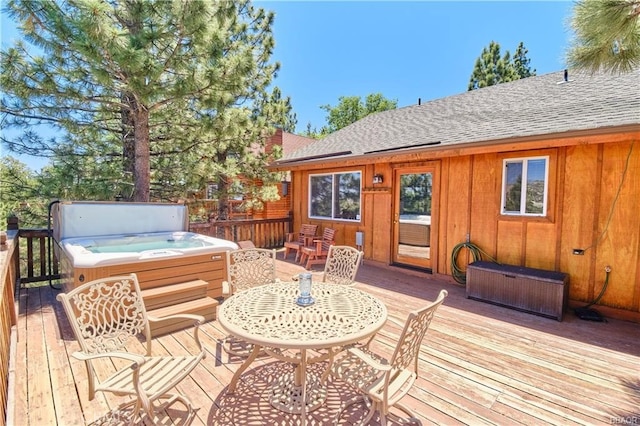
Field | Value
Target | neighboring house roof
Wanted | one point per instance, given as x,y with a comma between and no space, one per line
292,143
288,141
534,106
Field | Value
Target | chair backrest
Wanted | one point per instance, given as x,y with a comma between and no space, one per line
405,356
328,239
252,267
342,265
105,314
306,230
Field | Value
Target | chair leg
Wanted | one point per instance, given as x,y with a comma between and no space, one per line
412,416
370,405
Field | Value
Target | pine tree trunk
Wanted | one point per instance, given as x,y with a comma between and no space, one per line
128,138
142,165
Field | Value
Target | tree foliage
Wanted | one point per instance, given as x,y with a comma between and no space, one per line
491,67
352,108
153,98
19,186
606,35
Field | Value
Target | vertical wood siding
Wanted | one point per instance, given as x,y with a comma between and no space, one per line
585,211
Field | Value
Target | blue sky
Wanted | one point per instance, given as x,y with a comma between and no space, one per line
403,49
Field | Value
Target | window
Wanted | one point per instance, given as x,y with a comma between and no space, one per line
524,186
335,196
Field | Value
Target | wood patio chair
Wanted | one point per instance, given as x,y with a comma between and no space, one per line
317,253
382,383
107,317
246,268
296,240
246,244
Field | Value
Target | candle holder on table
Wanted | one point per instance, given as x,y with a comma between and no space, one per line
305,299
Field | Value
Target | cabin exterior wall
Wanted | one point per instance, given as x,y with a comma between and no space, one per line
593,193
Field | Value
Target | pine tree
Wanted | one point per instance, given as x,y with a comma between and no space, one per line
491,68
163,89
521,65
607,35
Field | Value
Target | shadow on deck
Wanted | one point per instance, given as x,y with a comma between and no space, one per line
479,363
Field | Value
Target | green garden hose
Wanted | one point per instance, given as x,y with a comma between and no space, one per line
476,253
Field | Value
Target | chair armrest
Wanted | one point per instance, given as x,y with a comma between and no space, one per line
197,319
369,360
136,359
291,236
396,321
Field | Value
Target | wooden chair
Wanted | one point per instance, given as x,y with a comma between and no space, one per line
246,268
107,317
246,244
317,253
381,382
296,240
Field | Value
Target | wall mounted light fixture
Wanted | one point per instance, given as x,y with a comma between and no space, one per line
285,188
377,178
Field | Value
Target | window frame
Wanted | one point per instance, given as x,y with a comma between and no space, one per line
524,161
333,195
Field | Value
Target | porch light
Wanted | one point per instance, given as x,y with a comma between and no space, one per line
378,178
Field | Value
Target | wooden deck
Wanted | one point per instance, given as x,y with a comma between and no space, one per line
480,364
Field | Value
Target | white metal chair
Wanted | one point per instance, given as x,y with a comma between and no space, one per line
246,268
381,382
342,265
107,317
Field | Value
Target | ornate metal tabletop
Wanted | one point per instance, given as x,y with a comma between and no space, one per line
269,316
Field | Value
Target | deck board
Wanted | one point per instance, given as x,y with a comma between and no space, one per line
480,364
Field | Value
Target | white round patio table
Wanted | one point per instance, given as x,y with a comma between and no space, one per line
269,317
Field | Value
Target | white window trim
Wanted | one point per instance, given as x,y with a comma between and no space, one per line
333,174
523,190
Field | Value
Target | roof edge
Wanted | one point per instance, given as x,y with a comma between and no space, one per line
451,150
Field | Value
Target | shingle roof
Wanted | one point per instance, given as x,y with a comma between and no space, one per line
535,106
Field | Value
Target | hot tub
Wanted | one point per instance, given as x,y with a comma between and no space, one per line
102,239
415,230
91,252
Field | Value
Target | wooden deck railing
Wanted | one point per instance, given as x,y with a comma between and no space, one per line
9,260
265,233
